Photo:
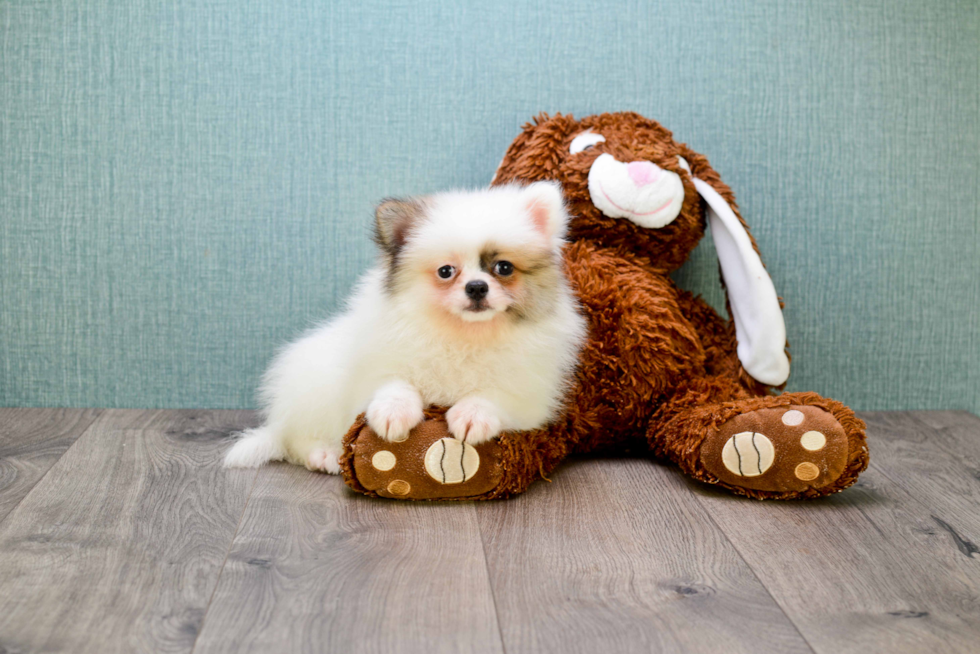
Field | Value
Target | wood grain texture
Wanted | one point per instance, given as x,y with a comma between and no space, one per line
955,432
935,457
119,547
136,540
616,555
867,570
31,440
316,568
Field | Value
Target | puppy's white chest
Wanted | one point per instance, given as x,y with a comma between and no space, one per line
444,377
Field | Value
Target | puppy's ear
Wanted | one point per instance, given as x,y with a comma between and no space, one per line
546,208
393,222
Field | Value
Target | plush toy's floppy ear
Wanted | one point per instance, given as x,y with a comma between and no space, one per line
759,325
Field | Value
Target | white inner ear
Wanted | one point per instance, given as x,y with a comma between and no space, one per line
585,140
546,206
759,325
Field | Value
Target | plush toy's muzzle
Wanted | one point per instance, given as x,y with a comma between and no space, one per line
640,191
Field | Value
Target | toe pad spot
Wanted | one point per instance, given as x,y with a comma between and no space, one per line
792,418
399,487
383,460
807,471
813,441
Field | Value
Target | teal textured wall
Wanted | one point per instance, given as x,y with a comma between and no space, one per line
186,184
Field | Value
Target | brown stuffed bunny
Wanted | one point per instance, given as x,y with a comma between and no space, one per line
661,369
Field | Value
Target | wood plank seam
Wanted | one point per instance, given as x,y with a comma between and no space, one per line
85,430
870,597
574,564
316,568
122,542
964,545
755,574
493,590
914,416
231,544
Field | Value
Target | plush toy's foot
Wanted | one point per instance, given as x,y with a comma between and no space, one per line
429,465
785,449
791,446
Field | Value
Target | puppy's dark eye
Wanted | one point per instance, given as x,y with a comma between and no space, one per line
503,268
446,272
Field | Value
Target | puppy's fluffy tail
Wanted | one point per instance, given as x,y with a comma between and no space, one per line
255,447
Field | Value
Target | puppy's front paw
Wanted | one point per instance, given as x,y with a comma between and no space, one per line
394,411
323,460
473,420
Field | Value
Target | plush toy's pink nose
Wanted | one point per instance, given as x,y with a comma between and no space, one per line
643,172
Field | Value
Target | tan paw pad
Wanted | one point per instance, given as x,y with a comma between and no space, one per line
748,454
450,461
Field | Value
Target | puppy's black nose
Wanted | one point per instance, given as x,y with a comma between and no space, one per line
477,289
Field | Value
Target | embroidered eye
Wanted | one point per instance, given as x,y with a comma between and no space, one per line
503,268
446,272
584,141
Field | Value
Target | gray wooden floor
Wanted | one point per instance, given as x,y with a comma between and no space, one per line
119,532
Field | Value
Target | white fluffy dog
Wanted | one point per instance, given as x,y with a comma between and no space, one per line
468,307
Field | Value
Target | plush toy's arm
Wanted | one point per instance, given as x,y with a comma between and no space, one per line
718,339
637,326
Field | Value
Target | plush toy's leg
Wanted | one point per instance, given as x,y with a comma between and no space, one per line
432,465
795,445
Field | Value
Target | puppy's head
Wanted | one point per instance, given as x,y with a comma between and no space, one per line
476,259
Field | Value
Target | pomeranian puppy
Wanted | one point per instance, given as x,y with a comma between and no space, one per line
468,307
